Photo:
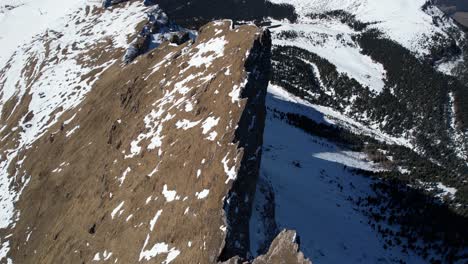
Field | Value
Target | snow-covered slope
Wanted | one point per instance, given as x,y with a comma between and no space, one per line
21,20
403,21
49,67
333,41
314,192
313,185
287,102
376,62
362,75
409,23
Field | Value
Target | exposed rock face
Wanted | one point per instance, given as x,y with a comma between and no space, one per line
155,31
238,205
141,169
284,249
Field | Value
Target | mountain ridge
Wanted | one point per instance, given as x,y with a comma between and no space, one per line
134,136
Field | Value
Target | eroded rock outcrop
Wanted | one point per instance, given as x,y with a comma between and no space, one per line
156,30
249,133
284,249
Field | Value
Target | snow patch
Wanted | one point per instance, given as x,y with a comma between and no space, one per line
230,171
209,123
124,175
212,136
203,194
117,210
73,130
208,52
105,256
186,124
158,248
169,195
155,219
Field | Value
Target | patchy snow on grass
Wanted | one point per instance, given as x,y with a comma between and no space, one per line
169,195
203,194
188,107
186,124
73,130
51,37
155,219
212,136
124,175
36,17
102,256
117,210
175,98
157,249
208,52
154,125
235,93
209,123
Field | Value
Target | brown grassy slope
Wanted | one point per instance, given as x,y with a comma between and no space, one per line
77,181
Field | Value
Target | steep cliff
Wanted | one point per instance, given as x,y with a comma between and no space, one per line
155,161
